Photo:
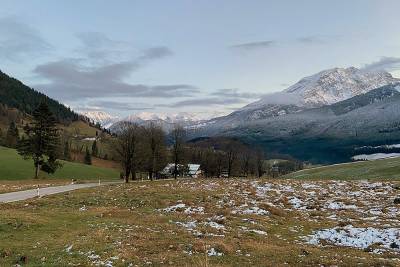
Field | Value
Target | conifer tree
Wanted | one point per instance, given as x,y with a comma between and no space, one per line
95,150
42,141
67,151
88,157
12,135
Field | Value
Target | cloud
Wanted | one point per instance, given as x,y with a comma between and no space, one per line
117,105
208,101
98,47
316,39
220,97
19,41
100,73
383,64
234,93
306,40
254,45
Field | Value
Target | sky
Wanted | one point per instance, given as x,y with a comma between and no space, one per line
204,57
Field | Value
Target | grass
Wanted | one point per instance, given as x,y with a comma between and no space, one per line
385,169
126,225
14,167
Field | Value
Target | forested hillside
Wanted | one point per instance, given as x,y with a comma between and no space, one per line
15,94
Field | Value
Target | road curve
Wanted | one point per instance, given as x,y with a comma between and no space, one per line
27,194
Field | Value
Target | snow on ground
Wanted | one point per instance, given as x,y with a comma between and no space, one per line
358,237
367,208
376,156
181,207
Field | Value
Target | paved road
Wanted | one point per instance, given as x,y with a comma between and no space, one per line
27,194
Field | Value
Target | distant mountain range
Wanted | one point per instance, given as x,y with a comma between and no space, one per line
105,119
167,121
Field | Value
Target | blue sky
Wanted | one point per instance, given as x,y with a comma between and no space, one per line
192,56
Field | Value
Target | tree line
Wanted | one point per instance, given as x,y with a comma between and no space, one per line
144,149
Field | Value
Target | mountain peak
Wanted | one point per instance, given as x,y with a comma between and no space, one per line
338,84
327,87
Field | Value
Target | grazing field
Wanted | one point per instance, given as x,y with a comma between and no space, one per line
14,167
384,169
214,222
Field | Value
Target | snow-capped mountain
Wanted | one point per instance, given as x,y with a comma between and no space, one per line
103,118
326,134
324,88
327,87
174,118
166,120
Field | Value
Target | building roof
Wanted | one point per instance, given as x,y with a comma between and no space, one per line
193,168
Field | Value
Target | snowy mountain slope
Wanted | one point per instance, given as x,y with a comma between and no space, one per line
327,87
183,117
324,88
329,133
326,134
101,117
166,120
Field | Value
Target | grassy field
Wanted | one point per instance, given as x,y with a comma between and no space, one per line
214,222
13,167
385,169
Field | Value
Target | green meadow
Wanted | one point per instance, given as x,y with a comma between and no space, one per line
385,169
14,167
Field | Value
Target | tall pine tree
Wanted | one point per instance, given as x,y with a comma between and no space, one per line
42,141
88,157
12,135
95,150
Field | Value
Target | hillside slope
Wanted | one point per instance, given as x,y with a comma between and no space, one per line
386,169
15,94
327,134
13,167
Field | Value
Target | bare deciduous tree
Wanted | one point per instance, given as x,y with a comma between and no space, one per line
178,139
126,147
155,140
259,158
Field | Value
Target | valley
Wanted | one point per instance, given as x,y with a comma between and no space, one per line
199,133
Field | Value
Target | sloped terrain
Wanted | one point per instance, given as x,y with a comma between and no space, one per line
384,169
327,134
14,167
210,222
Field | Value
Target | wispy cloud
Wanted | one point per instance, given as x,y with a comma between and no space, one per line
254,45
221,97
205,102
117,105
76,78
235,93
19,41
305,40
384,63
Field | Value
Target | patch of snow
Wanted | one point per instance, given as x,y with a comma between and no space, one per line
339,206
362,238
213,252
184,208
376,156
